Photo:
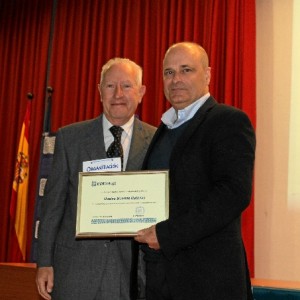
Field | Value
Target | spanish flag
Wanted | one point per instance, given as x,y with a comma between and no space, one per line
18,204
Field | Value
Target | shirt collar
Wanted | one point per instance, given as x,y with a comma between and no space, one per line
174,119
127,126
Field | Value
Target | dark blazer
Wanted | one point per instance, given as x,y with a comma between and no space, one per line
79,264
211,170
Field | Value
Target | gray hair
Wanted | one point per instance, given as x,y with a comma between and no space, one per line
126,61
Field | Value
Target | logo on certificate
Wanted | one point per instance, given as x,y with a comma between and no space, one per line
140,210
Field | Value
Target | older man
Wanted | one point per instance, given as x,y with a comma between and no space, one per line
98,268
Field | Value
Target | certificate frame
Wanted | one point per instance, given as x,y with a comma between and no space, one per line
118,204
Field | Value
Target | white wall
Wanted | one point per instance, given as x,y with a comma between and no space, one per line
277,169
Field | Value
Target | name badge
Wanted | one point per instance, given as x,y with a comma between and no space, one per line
102,165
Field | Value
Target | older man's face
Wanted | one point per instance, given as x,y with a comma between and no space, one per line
120,93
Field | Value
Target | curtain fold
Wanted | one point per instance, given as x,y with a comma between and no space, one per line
24,36
87,34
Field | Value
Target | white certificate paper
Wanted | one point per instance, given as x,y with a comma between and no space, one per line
118,204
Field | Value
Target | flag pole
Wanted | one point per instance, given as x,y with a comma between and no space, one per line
47,115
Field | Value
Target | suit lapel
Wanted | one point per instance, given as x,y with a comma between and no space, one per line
94,140
153,143
196,121
139,144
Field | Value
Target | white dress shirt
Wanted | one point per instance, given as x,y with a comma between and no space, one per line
174,118
125,139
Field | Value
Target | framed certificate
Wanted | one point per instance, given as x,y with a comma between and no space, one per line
118,204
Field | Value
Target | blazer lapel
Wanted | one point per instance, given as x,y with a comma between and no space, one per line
95,148
196,121
94,141
139,145
152,144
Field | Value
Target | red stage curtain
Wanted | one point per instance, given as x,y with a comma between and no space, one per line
88,33
24,36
